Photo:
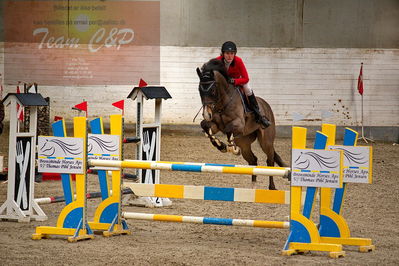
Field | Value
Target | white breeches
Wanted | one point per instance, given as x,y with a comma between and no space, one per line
247,89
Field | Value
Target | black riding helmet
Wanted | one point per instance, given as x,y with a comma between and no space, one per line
229,47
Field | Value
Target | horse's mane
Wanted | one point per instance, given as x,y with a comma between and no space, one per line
215,64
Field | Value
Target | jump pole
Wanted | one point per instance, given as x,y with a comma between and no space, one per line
205,168
91,195
205,220
304,234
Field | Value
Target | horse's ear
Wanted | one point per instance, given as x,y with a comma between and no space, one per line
199,73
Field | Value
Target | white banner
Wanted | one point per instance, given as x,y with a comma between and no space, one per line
103,147
316,168
357,163
60,155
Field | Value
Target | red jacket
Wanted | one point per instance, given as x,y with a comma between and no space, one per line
237,71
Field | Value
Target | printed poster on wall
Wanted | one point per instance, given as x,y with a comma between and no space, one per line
316,168
357,163
60,155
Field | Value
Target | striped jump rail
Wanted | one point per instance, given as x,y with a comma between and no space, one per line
91,195
205,220
193,167
210,193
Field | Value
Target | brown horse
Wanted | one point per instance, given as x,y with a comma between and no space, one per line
223,110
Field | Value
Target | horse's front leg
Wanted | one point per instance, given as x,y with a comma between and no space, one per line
210,129
231,145
234,129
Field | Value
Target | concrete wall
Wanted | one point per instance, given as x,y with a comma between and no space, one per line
281,23
303,57
278,23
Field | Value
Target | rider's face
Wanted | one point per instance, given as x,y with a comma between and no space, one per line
229,56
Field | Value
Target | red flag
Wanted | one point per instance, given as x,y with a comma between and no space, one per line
82,106
360,81
120,104
20,109
142,83
56,118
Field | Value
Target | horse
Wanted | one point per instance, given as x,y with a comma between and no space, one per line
224,111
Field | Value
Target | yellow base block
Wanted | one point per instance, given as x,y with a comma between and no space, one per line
351,241
47,231
335,250
118,229
99,226
365,249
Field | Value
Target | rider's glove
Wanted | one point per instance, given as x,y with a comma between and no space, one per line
231,81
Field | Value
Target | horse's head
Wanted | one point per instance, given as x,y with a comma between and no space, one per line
211,86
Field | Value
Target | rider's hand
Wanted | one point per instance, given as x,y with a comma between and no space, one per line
231,81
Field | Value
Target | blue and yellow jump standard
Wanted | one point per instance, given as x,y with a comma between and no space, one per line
304,235
106,217
72,220
333,227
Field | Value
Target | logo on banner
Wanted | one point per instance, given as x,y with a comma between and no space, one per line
316,168
60,155
103,147
357,166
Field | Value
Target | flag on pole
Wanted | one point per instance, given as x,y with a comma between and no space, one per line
120,104
360,80
142,83
57,118
82,106
20,109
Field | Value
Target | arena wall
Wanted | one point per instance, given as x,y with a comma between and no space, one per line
303,57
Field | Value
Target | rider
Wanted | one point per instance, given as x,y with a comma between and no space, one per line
239,77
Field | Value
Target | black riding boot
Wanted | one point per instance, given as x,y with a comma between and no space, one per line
255,107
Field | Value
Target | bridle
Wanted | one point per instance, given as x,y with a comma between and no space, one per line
205,88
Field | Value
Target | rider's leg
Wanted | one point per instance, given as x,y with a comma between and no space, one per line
255,107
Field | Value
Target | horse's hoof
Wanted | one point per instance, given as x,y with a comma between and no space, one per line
234,149
237,152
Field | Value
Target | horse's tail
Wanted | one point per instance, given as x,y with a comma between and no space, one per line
279,161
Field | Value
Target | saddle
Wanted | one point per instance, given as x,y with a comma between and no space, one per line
244,100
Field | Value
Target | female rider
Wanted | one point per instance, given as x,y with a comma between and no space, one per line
239,77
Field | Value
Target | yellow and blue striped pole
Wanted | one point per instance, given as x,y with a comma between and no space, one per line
205,220
193,167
